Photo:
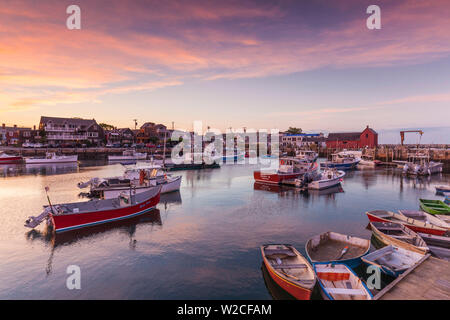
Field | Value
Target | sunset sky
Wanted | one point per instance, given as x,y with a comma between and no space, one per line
260,64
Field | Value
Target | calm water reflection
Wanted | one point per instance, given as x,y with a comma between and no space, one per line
201,243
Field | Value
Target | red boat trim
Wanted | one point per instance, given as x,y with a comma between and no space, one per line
414,228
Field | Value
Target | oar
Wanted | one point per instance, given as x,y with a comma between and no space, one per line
344,251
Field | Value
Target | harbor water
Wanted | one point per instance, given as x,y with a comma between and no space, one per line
201,243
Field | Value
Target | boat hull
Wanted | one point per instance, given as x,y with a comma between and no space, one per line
73,221
339,166
11,160
274,178
434,206
325,184
165,188
65,159
293,289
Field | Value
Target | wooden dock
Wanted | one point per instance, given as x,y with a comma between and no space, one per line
429,279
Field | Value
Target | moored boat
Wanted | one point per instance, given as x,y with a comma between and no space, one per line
409,222
398,235
338,282
439,245
335,247
325,179
289,269
9,159
420,164
393,260
52,157
341,161
307,155
434,206
368,161
442,189
289,169
426,218
70,216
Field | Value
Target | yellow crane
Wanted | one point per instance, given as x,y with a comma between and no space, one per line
402,134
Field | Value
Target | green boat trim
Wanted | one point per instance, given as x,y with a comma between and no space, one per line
434,206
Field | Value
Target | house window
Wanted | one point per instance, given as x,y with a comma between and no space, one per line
367,135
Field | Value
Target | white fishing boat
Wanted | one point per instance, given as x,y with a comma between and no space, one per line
368,161
325,179
307,155
129,155
51,157
108,188
420,164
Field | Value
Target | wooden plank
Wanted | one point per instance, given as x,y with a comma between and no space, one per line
400,278
429,279
353,292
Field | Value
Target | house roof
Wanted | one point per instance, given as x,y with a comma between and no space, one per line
74,121
344,136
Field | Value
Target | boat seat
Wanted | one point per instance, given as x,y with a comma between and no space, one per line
402,237
351,292
290,266
270,252
390,229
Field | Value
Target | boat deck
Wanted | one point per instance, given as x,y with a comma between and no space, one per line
427,280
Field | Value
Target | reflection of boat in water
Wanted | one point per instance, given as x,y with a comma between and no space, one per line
51,168
52,157
128,227
171,198
274,289
283,188
66,238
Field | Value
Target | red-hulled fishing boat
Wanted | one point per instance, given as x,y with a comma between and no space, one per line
289,169
9,159
69,216
289,269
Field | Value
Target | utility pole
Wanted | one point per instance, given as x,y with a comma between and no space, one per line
135,123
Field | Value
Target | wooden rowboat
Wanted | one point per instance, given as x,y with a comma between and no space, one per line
442,189
434,206
338,282
289,269
445,218
335,247
416,225
393,260
425,217
439,246
390,233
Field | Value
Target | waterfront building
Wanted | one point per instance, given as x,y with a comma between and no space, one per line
60,131
353,140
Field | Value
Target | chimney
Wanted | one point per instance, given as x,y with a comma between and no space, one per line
3,126
34,127
15,126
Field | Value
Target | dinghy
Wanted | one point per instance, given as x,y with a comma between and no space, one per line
390,233
393,260
335,247
439,246
442,217
434,206
338,282
289,269
409,222
442,189
425,217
